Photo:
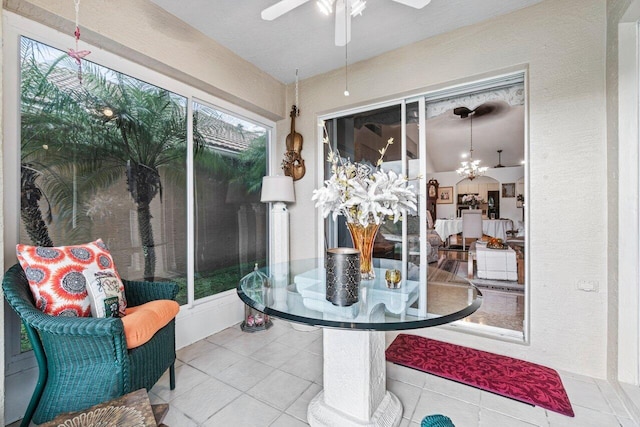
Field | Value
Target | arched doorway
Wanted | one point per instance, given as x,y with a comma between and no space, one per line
485,190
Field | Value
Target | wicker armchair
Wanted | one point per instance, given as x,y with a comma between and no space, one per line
85,361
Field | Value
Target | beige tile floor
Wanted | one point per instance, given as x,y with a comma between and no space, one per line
267,378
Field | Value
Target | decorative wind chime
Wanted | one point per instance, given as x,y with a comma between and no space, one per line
75,53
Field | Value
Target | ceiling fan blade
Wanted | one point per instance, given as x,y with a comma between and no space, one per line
418,4
343,23
280,8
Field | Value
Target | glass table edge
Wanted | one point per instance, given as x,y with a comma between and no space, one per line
376,326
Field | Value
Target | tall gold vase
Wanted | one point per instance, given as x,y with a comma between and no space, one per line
363,238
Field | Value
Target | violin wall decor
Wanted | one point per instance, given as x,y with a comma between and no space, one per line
293,163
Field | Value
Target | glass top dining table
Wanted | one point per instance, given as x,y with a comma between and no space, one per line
354,392
296,291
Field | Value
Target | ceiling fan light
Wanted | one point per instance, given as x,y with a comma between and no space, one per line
357,7
326,6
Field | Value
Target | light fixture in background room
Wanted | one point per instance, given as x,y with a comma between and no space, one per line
469,169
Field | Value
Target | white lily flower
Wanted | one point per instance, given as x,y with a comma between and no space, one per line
362,193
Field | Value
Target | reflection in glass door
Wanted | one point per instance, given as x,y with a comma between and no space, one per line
361,137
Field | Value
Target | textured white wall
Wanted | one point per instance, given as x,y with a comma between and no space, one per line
562,42
615,10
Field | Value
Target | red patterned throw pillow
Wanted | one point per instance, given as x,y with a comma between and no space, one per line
56,275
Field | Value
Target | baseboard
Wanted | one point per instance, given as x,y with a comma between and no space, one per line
630,397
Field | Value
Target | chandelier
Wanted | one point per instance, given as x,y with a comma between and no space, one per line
469,169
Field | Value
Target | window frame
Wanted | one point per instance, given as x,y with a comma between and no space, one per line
14,27
493,80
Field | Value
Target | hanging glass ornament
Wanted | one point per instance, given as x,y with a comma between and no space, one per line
77,54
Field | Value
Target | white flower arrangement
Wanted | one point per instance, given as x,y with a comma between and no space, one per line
363,194
472,199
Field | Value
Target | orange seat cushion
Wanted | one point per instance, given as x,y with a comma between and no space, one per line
143,321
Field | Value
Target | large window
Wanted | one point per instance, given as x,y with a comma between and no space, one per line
102,155
165,173
230,222
106,155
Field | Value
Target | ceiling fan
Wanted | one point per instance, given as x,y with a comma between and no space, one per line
344,11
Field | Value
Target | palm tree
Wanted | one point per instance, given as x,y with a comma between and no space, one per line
53,132
253,163
143,132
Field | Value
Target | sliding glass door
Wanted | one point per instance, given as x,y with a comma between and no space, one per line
361,136
433,134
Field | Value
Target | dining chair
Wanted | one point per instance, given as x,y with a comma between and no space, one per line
471,225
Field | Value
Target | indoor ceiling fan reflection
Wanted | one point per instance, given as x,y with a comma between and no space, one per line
344,11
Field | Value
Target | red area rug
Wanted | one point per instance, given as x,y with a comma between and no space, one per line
506,376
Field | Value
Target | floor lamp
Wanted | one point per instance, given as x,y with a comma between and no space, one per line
278,190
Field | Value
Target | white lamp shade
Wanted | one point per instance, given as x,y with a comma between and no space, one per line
277,189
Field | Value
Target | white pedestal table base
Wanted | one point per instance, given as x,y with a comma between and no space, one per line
354,393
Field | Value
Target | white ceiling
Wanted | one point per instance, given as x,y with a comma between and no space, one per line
449,137
304,38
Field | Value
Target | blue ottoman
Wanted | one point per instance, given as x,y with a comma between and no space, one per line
436,421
